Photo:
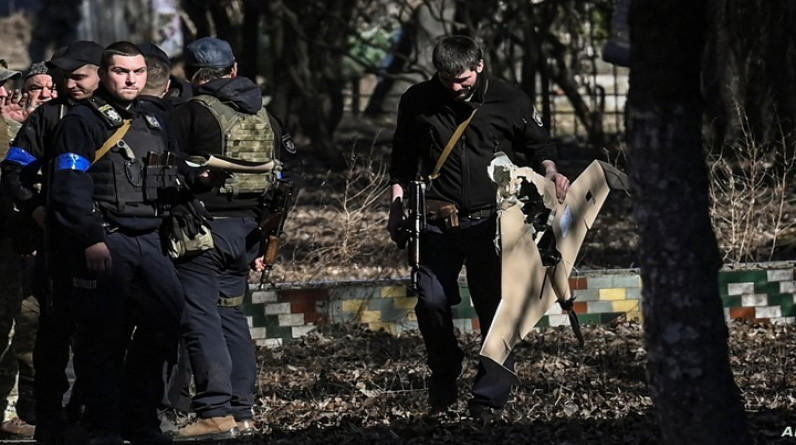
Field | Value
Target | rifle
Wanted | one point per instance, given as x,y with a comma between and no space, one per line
414,226
272,224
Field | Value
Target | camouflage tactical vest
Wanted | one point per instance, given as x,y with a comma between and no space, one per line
248,137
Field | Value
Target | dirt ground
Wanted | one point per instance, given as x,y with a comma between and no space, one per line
349,385
344,384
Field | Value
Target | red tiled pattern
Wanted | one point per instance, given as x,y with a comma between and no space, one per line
742,312
576,283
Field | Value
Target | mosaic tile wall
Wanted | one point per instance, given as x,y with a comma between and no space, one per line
764,292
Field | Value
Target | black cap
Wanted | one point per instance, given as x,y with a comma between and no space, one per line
152,50
77,54
209,52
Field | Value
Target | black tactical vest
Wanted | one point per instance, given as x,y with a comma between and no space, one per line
119,175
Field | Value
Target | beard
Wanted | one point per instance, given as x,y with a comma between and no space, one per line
463,95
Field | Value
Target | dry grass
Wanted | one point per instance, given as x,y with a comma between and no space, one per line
337,231
345,384
753,198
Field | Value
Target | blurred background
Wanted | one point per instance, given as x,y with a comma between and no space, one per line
317,60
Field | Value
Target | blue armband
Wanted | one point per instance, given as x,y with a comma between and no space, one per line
71,161
19,156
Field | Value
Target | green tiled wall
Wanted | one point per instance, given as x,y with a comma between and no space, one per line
764,292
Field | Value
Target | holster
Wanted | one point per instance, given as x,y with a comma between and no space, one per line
443,213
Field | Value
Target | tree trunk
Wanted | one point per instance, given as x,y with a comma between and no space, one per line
688,368
250,51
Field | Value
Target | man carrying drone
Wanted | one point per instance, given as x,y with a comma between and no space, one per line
448,129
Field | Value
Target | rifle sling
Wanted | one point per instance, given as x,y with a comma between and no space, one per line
449,146
115,138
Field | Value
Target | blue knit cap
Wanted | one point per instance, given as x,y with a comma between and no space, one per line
209,52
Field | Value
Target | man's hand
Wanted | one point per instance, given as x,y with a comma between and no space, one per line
561,181
562,185
258,264
213,178
396,219
98,258
14,106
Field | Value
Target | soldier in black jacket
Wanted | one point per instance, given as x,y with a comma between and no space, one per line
106,200
504,120
225,117
25,173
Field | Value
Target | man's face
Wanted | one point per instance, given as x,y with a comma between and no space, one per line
461,86
125,77
40,89
82,82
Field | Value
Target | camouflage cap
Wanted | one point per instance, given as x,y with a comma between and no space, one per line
36,69
5,73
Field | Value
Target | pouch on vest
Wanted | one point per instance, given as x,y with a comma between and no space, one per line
160,179
188,230
151,176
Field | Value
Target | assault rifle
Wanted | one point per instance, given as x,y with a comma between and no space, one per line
272,224
413,226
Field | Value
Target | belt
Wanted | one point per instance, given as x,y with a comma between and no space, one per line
479,213
230,301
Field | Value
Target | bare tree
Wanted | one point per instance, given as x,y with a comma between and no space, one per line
686,335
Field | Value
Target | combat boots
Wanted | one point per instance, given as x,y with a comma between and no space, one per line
18,428
212,428
246,428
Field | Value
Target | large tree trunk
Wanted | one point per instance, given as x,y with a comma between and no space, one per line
688,368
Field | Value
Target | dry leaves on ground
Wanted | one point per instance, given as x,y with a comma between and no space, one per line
346,384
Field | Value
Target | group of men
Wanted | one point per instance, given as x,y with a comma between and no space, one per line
100,177
113,287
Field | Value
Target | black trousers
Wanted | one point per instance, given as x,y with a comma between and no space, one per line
54,338
443,254
125,339
216,335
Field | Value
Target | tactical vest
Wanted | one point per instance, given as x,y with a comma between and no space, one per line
119,177
248,137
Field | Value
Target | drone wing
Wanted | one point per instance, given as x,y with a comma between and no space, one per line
529,289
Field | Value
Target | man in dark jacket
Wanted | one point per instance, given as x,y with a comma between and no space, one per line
108,186
25,176
502,119
224,118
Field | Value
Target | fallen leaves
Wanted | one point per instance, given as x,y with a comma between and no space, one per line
346,384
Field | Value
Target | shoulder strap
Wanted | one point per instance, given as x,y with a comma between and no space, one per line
115,137
449,146
223,113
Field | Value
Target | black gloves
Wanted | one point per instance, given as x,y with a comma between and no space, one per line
189,217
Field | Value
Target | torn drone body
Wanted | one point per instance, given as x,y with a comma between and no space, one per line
509,179
531,282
